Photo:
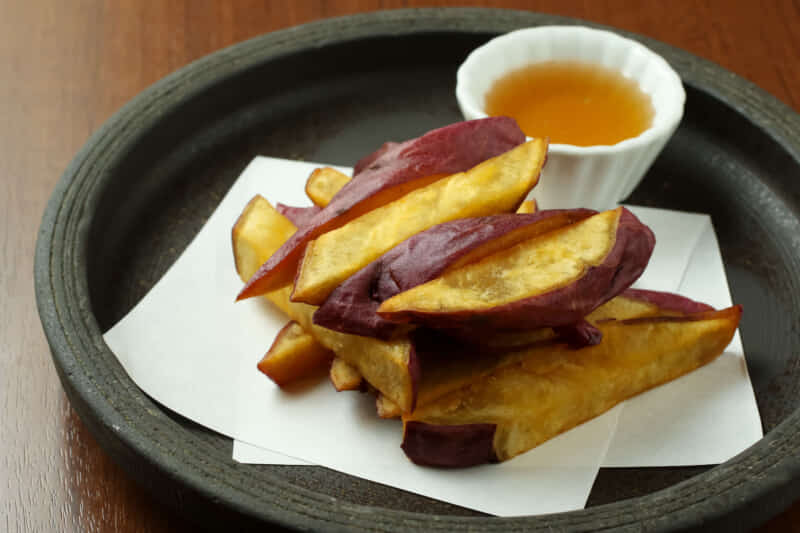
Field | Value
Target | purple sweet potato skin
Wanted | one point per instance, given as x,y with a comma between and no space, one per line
368,160
624,263
667,301
455,446
443,150
448,150
690,317
299,216
352,307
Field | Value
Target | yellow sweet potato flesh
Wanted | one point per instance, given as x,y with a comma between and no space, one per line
293,355
515,237
551,389
533,267
528,206
497,185
323,184
258,231
344,376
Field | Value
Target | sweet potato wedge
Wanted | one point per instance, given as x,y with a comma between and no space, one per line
293,355
344,376
394,173
550,389
352,306
495,186
551,280
446,364
323,184
631,303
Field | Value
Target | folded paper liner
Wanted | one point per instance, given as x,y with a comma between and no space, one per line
191,348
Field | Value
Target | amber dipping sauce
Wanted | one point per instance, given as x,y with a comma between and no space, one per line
572,103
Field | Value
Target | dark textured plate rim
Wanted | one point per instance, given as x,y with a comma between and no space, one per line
756,484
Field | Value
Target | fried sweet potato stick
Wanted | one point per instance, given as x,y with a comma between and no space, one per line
352,307
396,171
549,389
344,376
495,186
551,280
294,355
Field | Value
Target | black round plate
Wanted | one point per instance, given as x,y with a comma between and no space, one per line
331,91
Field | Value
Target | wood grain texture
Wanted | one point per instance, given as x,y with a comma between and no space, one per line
65,67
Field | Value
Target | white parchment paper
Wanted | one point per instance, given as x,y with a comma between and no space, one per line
190,347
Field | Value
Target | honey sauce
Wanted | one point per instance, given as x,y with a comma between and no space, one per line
572,103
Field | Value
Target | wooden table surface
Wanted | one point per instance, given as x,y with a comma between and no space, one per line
65,67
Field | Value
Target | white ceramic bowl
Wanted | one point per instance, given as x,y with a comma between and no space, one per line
600,176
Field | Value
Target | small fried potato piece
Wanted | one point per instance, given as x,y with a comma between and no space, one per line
386,408
344,376
497,185
551,280
526,207
323,184
552,389
293,355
